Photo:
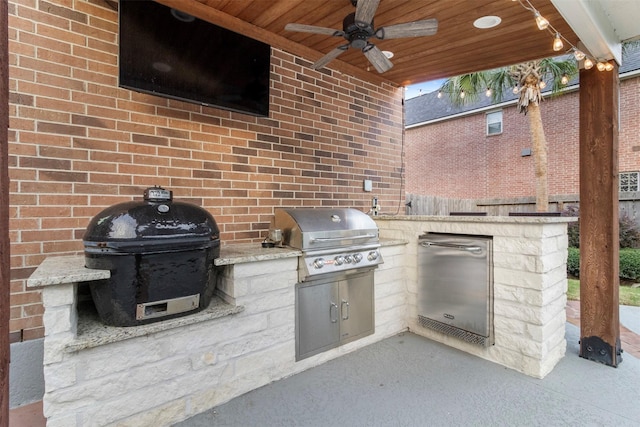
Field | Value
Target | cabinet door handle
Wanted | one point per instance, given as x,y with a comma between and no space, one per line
345,303
333,312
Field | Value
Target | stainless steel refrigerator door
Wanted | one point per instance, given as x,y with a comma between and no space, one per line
454,275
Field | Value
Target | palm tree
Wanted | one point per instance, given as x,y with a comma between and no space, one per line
527,80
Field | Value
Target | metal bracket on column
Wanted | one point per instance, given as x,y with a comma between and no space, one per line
597,350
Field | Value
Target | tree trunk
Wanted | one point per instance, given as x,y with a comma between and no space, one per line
539,143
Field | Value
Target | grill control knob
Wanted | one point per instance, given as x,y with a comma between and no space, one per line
348,259
339,260
318,263
373,255
357,258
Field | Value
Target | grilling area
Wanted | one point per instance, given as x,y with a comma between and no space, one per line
260,325
173,255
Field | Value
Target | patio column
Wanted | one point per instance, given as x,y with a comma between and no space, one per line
4,214
599,240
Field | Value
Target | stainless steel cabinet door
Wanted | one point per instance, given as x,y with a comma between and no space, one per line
356,307
317,318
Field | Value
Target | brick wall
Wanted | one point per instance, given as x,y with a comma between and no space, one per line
456,159
79,143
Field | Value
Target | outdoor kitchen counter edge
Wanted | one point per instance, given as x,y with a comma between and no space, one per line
480,219
58,270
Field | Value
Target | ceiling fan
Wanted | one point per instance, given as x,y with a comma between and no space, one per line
358,28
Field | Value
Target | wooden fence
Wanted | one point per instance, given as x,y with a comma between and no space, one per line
431,205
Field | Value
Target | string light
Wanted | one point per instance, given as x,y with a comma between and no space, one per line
543,24
558,43
462,94
564,79
488,92
439,94
542,84
578,54
516,90
588,64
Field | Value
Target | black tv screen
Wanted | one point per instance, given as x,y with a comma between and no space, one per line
169,53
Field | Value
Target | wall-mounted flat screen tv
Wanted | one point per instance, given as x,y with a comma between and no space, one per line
169,53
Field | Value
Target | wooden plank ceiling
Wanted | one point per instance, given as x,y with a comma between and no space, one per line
457,48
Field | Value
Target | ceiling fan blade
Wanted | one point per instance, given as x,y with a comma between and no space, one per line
313,29
329,57
426,27
365,10
377,58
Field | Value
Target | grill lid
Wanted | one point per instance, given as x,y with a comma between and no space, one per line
155,221
322,228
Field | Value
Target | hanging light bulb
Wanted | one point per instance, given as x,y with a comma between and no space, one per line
541,21
557,43
488,92
462,94
588,64
600,66
608,66
578,54
564,79
542,84
515,90
439,94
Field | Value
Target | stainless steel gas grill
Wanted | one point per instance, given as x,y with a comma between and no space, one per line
333,240
334,296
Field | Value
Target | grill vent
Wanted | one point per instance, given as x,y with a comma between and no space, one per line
455,332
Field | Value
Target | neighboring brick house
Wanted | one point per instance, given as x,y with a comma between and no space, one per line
79,143
451,153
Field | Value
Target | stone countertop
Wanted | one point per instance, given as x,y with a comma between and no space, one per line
479,219
59,270
64,269
251,252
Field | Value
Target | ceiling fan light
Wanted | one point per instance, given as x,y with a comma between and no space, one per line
557,43
541,21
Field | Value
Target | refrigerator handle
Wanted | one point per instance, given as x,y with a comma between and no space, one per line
473,249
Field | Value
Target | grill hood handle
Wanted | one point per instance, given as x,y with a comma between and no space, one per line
335,239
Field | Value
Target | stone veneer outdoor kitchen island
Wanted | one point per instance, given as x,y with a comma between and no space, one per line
164,372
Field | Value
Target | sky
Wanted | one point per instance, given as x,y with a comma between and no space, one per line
421,88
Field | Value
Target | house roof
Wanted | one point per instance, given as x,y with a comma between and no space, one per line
428,108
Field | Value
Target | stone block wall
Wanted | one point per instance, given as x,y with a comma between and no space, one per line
167,375
530,283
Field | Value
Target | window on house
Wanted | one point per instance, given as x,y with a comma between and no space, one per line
494,123
629,181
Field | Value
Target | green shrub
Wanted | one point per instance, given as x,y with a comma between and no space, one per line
629,263
573,262
573,228
629,232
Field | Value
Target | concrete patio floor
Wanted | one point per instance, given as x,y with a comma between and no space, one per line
408,380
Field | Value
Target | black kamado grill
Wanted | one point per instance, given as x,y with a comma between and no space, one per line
160,254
